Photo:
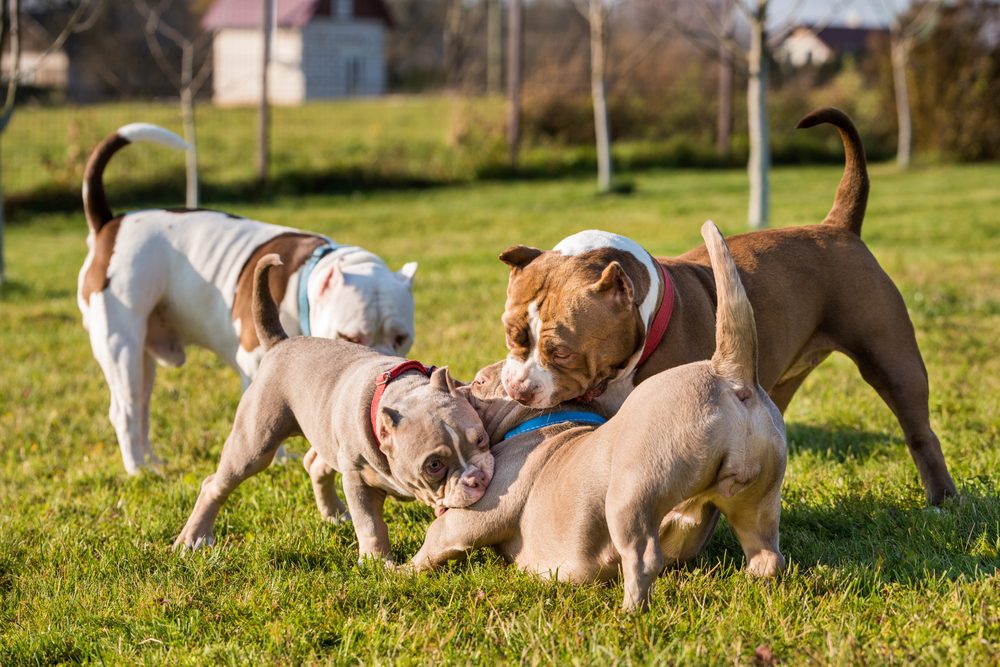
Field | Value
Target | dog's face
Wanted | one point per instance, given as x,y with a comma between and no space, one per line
571,322
436,444
363,301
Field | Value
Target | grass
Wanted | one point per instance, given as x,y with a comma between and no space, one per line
86,570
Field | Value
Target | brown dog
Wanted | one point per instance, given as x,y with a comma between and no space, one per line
587,319
577,503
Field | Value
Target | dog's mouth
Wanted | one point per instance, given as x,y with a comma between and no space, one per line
593,393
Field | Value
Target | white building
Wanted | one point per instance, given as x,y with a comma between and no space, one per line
320,49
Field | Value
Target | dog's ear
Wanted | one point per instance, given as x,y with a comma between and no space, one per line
453,384
615,284
332,278
519,256
441,380
407,272
388,420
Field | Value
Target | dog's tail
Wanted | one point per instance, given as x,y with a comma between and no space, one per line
735,357
852,195
95,203
265,311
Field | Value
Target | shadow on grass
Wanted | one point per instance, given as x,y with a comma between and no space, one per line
839,443
57,197
878,541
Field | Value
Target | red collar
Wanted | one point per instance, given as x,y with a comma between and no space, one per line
383,381
658,327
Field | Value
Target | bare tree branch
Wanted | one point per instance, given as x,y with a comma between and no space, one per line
13,12
75,24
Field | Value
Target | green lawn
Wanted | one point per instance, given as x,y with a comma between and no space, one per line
86,570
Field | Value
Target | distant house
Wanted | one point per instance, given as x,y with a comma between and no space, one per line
321,49
807,45
41,66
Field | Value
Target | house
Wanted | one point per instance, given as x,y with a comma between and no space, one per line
41,66
320,49
811,45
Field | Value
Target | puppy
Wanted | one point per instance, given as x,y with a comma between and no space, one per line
598,315
644,489
390,429
156,281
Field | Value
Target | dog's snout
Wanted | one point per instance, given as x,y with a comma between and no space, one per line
522,391
475,480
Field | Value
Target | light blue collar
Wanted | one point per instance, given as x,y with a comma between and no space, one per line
319,253
574,416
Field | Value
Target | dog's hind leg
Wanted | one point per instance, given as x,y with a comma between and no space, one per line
756,528
324,486
634,526
116,338
257,432
892,365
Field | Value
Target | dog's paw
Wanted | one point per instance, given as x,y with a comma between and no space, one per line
766,564
190,542
337,518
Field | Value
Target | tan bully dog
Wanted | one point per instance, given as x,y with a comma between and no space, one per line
155,281
644,489
381,422
599,315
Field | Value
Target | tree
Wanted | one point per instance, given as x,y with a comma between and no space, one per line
82,18
596,14
264,108
515,57
188,82
905,28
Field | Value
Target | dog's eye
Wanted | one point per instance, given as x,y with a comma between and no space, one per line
350,339
517,337
481,441
434,467
401,340
562,355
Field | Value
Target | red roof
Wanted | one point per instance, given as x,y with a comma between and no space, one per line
291,13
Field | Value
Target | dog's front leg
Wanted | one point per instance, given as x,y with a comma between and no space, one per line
366,505
448,538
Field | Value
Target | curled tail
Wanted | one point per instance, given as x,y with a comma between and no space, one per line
852,195
95,203
735,357
265,311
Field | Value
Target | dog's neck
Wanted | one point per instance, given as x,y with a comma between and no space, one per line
501,414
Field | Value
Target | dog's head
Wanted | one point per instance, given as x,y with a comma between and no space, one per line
356,297
572,322
436,445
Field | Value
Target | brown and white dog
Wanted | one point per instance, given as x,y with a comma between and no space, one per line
155,281
643,490
579,318
390,427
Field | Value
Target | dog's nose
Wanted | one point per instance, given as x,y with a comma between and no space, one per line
520,391
475,479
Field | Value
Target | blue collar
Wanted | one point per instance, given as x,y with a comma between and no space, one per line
319,253
569,416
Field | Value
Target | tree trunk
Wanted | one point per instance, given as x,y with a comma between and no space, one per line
597,90
494,47
724,120
900,47
759,163
515,46
3,220
264,111
187,114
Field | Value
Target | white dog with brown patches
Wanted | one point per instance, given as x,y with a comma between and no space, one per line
155,281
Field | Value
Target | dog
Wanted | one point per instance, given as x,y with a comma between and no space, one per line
389,427
155,281
580,502
599,315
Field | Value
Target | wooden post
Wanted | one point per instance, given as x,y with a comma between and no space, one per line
602,131
759,164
